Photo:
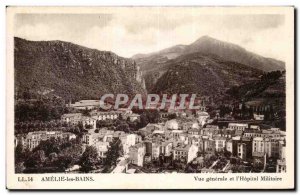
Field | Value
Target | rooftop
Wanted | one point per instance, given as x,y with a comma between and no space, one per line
258,139
182,147
202,114
71,115
252,131
238,124
83,103
104,113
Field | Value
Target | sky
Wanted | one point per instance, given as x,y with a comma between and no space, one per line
146,31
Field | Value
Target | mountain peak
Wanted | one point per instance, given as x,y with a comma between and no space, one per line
205,38
225,50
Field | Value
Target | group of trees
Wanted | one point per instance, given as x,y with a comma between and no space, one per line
247,112
117,125
273,75
52,155
254,89
89,159
39,114
148,116
57,125
57,155
115,150
42,109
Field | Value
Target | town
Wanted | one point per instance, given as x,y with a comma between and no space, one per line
88,139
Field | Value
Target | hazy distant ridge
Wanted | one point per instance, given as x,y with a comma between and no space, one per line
208,45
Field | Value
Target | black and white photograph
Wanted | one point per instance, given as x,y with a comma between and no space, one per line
161,91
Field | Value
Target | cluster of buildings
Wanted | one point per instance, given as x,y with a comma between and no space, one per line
91,121
77,118
176,139
33,139
85,104
102,139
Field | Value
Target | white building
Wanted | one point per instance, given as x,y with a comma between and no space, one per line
220,143
102,148
271,133
76,118
128,140
33,139
229,146
242,149
258,117
137,153
85,104
70,117
155,150
281,162
102,116
166,148
133,117
258,147
202,118
178,135
237,126
268,146
172,125
92,138
253,133
255,127
194,132
88,121
186,152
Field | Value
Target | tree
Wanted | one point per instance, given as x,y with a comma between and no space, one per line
89,159
257,166
49,146
153,116
19,153
172,116
113,153
69,156
19,168
251,113
88,126
80,126
123,127
86,112
224,110
44,109
271,114
143,121
35,159
52,157
227,154
243,110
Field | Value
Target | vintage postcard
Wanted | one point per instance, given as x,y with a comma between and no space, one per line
150,98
